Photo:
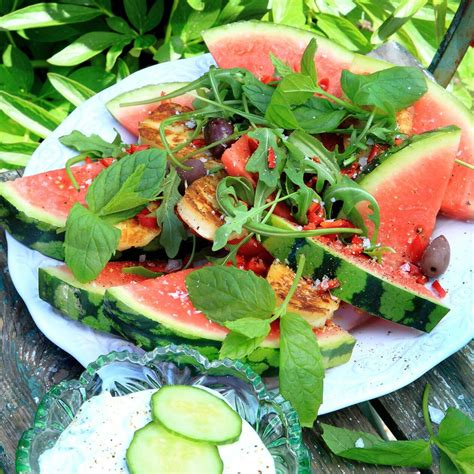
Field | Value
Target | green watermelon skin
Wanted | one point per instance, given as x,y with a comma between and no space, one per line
362,281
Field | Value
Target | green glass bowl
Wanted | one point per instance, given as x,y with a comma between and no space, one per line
124,372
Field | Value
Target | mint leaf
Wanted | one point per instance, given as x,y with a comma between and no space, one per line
257,93
172,229
301,367
237,346
228,294
365,447
282,69
258,162
93,144
390,90
89,243
250,327
117,178
141,271
319,115
308,66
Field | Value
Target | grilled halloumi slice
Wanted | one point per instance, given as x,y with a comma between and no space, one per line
198,207
314,306
176,133
134,234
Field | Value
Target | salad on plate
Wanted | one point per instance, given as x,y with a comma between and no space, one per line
260,200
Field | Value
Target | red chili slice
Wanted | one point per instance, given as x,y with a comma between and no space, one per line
146,219
436,285
134,148
324,83
271,158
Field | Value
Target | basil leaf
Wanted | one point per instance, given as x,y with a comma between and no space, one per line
89,243
103,190
301,367
258,162
296,88
390,90
282,69
172,229
352,195
40,15
250,327
319,115
93,144
279,112
237,346
308,66
365,447
228,294
85,47
141,271
71,90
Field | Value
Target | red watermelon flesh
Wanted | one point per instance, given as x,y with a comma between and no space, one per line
236,156
248,44
438,108
409,187
131,116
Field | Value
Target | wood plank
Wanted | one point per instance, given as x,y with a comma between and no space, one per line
29,365
324,461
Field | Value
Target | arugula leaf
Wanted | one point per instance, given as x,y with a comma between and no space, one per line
228,294
93,144
308,66
390,90
301,367
282,69
119,189
250,327
237,346
89,243
172,229
141,271
258,162
351,195
365,447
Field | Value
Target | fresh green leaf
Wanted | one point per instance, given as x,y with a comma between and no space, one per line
250,327
258,93
89,243
93,144
352,195
301,367
365,447
154,15
114,52
141,271
259,161
95,78
85,47
196,4
308,66
136,11
73,91
31,116
118,189
282,69
440,8
20,66
237,346
319,115
172,229
228,294
16,155
456,430
445,465
119,25
288,12
389,90
40,15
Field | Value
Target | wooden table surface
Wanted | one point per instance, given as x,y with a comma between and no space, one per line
30,364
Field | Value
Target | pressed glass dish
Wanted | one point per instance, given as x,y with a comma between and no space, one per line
123,372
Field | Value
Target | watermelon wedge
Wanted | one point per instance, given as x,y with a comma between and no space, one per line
83,301
409,187
131,116
158,311
249,44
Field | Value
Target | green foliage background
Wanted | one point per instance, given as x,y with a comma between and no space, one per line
55,55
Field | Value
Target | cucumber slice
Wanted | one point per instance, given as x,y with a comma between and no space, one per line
155,449
196,414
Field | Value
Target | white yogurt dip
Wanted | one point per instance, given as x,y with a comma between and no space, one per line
97,439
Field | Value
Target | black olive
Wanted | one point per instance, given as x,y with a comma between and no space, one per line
218,129
436,257
197,170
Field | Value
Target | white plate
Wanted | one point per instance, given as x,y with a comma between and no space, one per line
387,356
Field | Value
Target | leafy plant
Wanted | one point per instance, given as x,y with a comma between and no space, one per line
57,54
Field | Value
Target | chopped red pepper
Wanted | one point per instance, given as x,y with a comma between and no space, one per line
357,245
417,246
147,219
134,148
271,158
336,223
253,248
199,142
315,214
376,149
441,292
352,171
267,79
324,83
398,141
311,183
88,160
258,266
106,162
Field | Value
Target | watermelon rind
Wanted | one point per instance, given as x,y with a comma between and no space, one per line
79,301
149,328
366,288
